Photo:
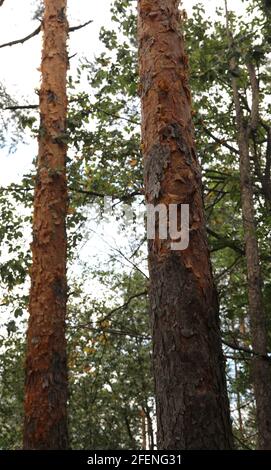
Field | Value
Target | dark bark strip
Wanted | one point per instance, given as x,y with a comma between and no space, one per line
192,403
45,424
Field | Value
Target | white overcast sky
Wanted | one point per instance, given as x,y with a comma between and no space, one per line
19,64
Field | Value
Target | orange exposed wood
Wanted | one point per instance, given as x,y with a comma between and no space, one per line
46,370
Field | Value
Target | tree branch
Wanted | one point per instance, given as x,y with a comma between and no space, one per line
243,444
227,242
18,107
107,113
132,334
125,305
237,347
15,188
115,196
22,40
229,269
37,31
80,26
97,326
218,140
124,197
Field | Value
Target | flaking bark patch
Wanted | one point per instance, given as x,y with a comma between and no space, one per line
156,163
145,84
175,132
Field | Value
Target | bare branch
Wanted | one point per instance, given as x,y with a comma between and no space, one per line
37,31
22,40
18,107
76,28
124,197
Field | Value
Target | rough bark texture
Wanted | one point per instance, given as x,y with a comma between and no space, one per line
192,403
46,369
261,368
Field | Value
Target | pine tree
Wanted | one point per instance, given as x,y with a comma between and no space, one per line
45,424
192,403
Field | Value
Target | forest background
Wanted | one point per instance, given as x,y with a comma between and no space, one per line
111,383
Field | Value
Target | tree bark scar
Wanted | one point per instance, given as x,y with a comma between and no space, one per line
156,162
61,16
145,84
174,131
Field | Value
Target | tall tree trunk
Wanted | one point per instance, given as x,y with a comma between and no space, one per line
261,368
192,403
45,424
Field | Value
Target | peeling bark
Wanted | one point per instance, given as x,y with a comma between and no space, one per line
192,402
45,425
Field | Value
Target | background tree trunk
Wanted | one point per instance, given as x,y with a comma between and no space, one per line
46,369
261,367
192,403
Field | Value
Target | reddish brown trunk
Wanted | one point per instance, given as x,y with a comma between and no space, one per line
46,369
192,403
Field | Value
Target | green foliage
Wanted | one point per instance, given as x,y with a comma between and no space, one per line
110,376
108,334
10,121
11,391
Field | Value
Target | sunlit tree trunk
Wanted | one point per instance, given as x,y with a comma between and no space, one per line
191,397
45,425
